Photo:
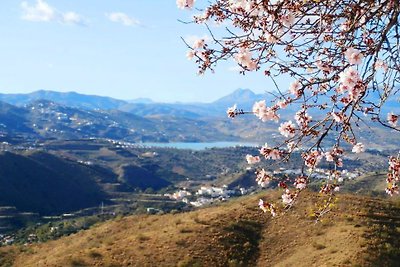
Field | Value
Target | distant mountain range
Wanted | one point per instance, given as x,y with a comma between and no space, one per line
141,106
71,99
55,115
43,119
244,98
49,114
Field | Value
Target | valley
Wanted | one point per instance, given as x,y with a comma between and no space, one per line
66,170
92,180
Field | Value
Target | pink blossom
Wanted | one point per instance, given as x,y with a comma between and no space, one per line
261,205
275,154
392,189
239,6
199,43
394,165
287,19
329,156
358,148
267,207
263,112
287,129
232,111
345,100
345,26
302,118
251,65
270,153
203,56
342,89
263,177
380,64
349,77
354,56
393,176
295,89
259,105
270,38
252,159
311,159
287,198
339,162
282,104
244,58
282,185
338,116
333,156
182,4
336,189
323,66
301,182
190,54
351,82
392,119
329,188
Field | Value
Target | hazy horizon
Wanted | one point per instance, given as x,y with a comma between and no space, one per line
137,98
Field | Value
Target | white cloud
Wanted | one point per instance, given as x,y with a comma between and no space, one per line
73,18
43,12
123,18
39,12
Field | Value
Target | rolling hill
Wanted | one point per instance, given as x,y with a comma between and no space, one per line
42,183
359,231
48,184
43,119
141,107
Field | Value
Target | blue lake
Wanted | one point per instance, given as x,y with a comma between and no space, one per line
197,146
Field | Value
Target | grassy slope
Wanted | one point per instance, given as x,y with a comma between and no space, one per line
360,232
43,183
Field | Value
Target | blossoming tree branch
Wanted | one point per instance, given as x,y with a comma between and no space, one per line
342,57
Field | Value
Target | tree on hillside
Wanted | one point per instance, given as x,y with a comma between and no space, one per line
342,57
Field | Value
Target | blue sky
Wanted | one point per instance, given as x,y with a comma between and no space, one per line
121,48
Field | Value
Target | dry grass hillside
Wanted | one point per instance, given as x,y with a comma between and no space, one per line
359,232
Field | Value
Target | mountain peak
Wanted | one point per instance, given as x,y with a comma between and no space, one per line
141,100
243,92
239,96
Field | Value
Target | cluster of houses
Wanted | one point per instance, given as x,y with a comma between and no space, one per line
318,173
205,195
88,163
50,109
10,239
121,144
209,194
6,240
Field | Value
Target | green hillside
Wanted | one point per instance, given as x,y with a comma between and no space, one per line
40,182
